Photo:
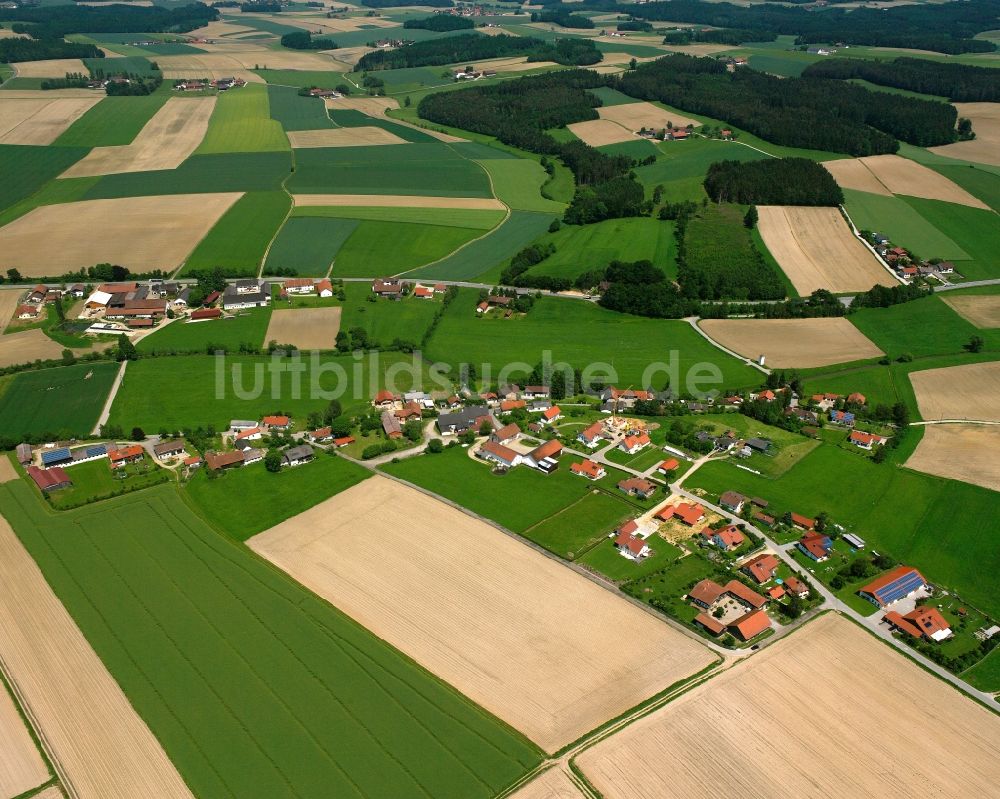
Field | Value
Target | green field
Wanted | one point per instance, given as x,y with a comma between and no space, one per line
975,230
606,559
297,113
385,320
299,78
241,123
611,96
682,165
26,169
387,248
580,333
57,401
113,121
229,333
518,182
135,64
474,218
985,675
978,182
903,224
349,118
240,502
308,244
253,685
237,242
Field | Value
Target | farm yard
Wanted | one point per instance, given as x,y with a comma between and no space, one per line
305,328
965,452
971,391
389,583
775,698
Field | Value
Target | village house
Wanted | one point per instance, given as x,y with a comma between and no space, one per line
299,285
423,293
471,418
922,622
726,538
245,294
252,456
545,456
125,455
385,400
732,501
591,436
324,288
506,406
897,584
388,287
802,522
343,441
320,434
193,462
689,514
842,418
589,469
217,461
793,585
552,414
410,410
37,294
866,441
751,625
634,443
506,434
28,312
669,466
815,546
277,422
637,487
295,456
625,399
391,426
169,449
499,454
761,567
244,437
630,545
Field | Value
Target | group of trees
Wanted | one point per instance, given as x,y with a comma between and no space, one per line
17,49
55,21
133,85
960,83
442,23
563,18
774,181
733,36
303,40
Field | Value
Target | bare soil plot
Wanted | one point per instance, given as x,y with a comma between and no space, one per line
851,173
485,613
981,310
9,300
141,233
306,328
40,120
638,115
26,347
793,343
985,148
966,452
21,767
552,784
903,176
817,250
56,68
959,392
598,132
397,201
828,711
98,740
343,137
174,132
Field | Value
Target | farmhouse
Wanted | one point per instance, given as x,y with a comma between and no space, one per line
899,583
410,410
321,434
687,513
625,398
299,285
391,426
28,312
169,449
866,441
761,567
194,462
277,422
802,522
629,544
751,625
726,538
246,294
385,399
506,406
423,293
343,441
552,414
50,479
732,501
506,434
591,436
544,456
125,455
498,453
815,546
637,487
471,418
218,461
589,469
324,288
244,437
923,622
295,456
706,593
388,287
634,443
252,456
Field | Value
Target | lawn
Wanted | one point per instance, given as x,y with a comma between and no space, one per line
295,112
905,227
238,241
253,685
96,480
241,502
606,559
985,675
113,121
910,516
518,183
241,123
581,333
475,218
61,402
26,169
228,333
308,244
646,459
577,528
375,249
975,230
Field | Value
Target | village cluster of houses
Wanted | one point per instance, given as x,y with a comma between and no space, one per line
394,289
219,84
905,265
468,73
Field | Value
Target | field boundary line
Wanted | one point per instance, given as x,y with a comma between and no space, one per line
106,409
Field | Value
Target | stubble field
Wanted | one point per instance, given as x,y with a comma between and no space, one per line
816,249
53,68
903,176
851,173
982,310
27,346
552,784
483,612
363,136
40,121
831,711
306,328
633,116
21,767
985,148
9,300
966,452
600,132
397,201
971,391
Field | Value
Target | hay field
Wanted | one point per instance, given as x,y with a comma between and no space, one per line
306,328
208,65
982,310
102,747
21,767
9,300
372,106
985,148
396,201
959,392
851,173
637,115
903,176
827,711
55,68
40,120
552,784
141,233
27,346
488,615
793,343
215,30
966,452
598,132
174,132
518,64
362,136
817,250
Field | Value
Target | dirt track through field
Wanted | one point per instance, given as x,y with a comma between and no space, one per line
633,116
793,343
363,136
982,310
101,745
174,132
985,148
829,711
817,250
903,176
397,201
485,613
552,784
140,233
53,68
306,328
959,392
851,173
21,767
966,452
40,121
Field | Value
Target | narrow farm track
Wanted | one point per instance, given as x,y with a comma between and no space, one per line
106,410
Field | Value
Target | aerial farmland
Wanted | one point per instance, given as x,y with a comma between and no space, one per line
506,401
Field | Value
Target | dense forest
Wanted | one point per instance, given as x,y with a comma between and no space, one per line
796,112
471,47
563,18
775,181
400,3
20,49
303,40
958,82
441,23
732,36
54,22
945,27
642,289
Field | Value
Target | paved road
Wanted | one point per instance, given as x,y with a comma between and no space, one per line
106,410
968,285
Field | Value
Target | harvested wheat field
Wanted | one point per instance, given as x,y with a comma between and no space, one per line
903,176
306,328
828,711
372,106
27,346
851,173
141,233
363,136
982,310
817,250
985,148
21,767
174,132
552,784
215,30
485,613
206,65
966,452
397,201
7,471
959,392
519,64
55,68
40,120
643,115
100,745
598,132
793,343
9,300
52,792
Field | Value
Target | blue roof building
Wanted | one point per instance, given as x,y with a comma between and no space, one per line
897,584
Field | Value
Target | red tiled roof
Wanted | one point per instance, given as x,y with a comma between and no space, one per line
707,592
507,432
928,620
635,441
714,626
879,583
803,521
248,433
795,585
775,592
761,567
385,396
276,421
730,536
551,413
423,291
550,449
192,460
47,478
509,405
630,542
124,453
748,595
219,460
669,465
861,437
751,625
592,432
637,484
587,467
902,623
686,512
298,283
206,313
499,450
343,441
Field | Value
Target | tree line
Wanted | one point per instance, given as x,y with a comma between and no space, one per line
441,23
303,40
54,22
775,181
563,18
960,83
734,36
17,49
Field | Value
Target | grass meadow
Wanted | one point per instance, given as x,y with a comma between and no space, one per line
903,224
240,238
253,685
113,121
385,320
978,182
975,230
518,182
241,123
681,166
26,169
387,248
61,400
474,218
297,113
195,337
985,675
308,244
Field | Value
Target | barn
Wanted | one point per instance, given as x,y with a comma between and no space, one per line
897,584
